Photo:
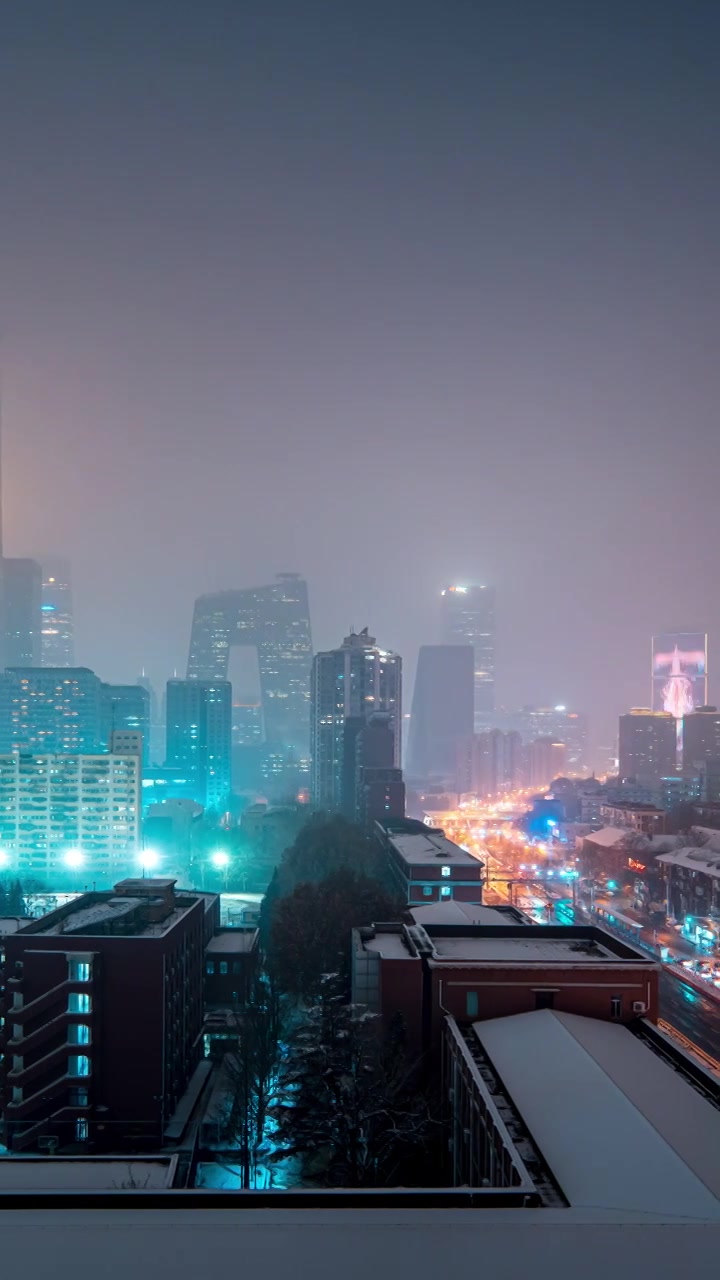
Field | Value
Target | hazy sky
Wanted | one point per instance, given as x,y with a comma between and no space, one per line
387,293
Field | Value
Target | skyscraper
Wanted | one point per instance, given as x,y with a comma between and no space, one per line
199,736
21,613
701,737
647,745
52,710
275,620
58,634
442,711
126,709
469,618
355,681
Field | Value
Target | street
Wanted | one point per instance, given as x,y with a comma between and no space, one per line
695,1015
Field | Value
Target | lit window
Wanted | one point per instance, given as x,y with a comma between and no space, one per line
471,1004
78,1065
223,966
81,1130
78,1033
78,1097
427,890
79,970
79,1002
445,871
446,891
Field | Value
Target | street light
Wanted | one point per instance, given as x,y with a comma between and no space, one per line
221,861
149,859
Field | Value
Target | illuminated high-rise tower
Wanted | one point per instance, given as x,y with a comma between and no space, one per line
354,682
469,618
58,638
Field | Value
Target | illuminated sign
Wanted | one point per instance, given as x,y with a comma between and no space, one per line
679,672
634,865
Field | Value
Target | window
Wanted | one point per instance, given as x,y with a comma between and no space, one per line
445,891
544,999
427,890
78,1065
471,1004
78,1033
81,1130
445,871
236,967
616,1006
210,967
79,1002
223,967
79,970
78,1098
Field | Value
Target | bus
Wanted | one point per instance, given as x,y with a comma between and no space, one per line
619,923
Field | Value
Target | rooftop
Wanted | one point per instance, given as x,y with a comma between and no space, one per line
233,941
608,836
705,860
520,950
460,913
615,1123
86,1173
137,908
430,846
499,942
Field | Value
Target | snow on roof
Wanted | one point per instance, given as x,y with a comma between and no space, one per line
617,1126
452,912
432,847
520,950
705,860
78,1173
608,836
233,941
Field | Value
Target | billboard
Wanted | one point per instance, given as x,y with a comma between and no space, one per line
679,672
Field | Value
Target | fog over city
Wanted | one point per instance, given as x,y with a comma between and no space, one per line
391,295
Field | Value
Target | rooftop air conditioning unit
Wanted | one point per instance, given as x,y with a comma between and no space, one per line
639,1006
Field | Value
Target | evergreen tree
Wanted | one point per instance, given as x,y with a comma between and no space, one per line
350,1109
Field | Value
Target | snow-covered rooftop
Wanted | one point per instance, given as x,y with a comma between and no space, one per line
609,836
433,847
82,1173
617,1126
520,950
705,860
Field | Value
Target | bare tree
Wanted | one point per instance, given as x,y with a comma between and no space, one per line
252,1075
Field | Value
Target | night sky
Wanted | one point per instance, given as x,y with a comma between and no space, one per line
391,294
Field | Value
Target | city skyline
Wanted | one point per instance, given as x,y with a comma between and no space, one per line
243,308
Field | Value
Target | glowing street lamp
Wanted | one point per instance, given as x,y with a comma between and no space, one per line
74,858
221,860
149,859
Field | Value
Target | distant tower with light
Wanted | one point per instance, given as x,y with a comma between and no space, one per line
469,618
58,631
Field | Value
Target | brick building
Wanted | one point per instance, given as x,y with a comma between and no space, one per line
493,968
424,866
231,959
102,1002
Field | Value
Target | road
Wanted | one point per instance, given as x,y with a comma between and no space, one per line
695,1015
